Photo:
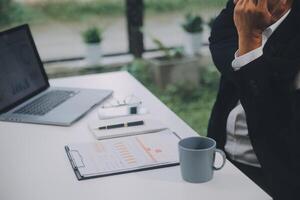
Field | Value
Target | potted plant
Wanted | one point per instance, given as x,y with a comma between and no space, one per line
93,38
193,27
173,67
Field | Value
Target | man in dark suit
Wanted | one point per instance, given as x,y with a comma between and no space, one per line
255,44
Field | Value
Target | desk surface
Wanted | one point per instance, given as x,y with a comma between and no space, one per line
34,165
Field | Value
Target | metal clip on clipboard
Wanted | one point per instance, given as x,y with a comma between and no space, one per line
76,161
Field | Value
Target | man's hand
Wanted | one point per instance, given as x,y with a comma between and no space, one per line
251,18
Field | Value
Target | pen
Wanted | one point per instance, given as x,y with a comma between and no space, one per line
128,124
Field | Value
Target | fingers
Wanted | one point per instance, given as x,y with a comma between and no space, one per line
240,5
248,4
244,3
240,2
262,3
252,3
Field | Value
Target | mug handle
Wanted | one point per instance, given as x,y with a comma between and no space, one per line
224,159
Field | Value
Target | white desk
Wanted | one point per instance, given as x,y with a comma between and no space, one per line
34,165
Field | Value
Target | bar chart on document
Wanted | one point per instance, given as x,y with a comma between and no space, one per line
125,153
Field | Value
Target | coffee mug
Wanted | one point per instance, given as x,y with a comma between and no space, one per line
197,159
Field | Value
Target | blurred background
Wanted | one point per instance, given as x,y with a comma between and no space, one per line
163,43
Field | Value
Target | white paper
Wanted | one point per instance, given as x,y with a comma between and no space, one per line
126,153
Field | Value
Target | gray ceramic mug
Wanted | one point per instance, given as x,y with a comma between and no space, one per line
197,159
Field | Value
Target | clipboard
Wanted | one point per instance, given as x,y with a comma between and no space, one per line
112,156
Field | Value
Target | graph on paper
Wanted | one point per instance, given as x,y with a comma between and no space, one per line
125,153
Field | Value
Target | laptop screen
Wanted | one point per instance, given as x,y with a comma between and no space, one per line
21,71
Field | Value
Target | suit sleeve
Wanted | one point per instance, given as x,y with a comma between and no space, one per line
224,41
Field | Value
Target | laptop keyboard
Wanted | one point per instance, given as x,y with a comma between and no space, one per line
46,102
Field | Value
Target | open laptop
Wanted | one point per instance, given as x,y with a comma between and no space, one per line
25,93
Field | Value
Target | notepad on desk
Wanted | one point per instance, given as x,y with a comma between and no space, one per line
123,155
124,126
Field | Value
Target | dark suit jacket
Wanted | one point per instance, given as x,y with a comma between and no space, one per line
266,90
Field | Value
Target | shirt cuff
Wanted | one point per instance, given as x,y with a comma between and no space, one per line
245,59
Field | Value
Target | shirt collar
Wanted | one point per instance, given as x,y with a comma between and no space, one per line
270,30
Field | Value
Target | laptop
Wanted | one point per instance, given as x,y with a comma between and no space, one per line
25,93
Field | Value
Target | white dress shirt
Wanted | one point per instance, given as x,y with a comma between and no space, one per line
238,145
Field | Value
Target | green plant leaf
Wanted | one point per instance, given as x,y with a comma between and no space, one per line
193,23
92,35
